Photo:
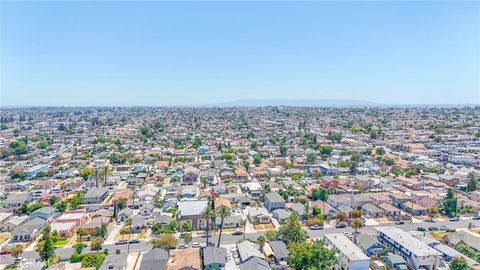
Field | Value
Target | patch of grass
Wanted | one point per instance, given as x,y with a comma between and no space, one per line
4,236
61,242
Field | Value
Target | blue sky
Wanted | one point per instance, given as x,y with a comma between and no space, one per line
189,53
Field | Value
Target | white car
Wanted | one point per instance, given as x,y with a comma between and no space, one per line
195,244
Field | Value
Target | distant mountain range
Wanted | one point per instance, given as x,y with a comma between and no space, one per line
297,103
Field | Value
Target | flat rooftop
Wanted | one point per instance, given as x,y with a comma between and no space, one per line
415,246
346,247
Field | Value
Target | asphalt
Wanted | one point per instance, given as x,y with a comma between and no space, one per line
228,239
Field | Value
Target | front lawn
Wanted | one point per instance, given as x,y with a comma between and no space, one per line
61,242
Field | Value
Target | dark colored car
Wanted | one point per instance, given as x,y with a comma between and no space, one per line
135,241
421,229
341,226
432,228
121,242
400,222
476,218
237,233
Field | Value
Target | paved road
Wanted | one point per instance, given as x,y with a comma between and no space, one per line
228,239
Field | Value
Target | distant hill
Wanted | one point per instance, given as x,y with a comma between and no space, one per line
297,103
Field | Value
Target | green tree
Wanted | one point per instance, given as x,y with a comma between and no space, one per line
165,241
326,150
257,159
335,136
16,251
61,206
291,231
78,247
96,243
449,203
86,173
186,227
472,182
188,238
46,250
223,212
208,214
311,256
380,151
459,263
261,240
357,223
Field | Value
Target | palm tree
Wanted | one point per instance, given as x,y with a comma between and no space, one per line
97,174
223,212
243,223
105,173
208,214
128,222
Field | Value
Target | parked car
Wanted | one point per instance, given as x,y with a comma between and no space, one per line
237,233
121,242
135,241
19,260
430,220
443,228
454,219
316,227
421,229
181,246
400,222
341,226
195,244
432,228
5,252
476,218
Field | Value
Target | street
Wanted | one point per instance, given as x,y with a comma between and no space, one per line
228,239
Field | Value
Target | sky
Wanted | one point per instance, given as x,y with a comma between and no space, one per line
89,53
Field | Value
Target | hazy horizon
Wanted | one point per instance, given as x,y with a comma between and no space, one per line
207,53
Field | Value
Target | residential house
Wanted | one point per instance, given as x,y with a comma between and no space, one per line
124,214
228,222
214,258
26,232
258,215
248,250
372,211
273,201
95,195
395,261
280,251
350,256
417,254
462,237
191,211
255,263
369,245
281,215
183,259
16,200
147,209
390,210
414,208
154,259
13,222
46,213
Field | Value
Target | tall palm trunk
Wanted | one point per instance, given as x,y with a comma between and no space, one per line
208,231
220,233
